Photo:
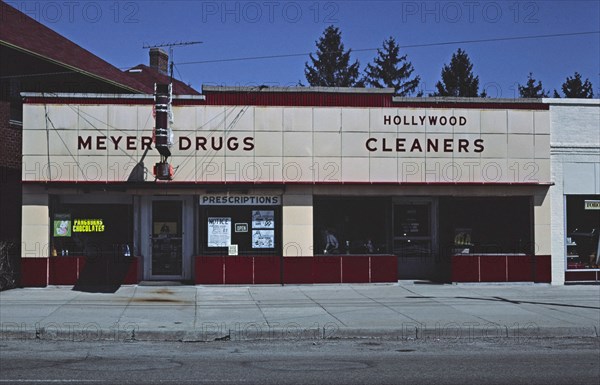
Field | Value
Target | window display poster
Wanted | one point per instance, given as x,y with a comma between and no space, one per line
263,239
164,229
263,219
219,232
411,221
62,225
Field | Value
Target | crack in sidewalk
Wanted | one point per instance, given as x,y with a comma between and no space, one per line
322,307
259,308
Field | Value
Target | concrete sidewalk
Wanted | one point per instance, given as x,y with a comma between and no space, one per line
403,310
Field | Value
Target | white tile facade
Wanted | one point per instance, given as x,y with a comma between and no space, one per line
575,159
354,139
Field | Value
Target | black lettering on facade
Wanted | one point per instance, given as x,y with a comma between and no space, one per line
116,141
131,143
416,120
369,141
232,143
432,145
248,143
146,143
200,143
184,143
478,145
84,144
101,143
448,145
416,146
400,144
216,145
383,146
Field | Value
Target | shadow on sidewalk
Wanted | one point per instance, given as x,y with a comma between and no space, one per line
500,299
103,274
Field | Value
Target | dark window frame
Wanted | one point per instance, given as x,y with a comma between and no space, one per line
577,220
118,219
336,214
239,214
497,224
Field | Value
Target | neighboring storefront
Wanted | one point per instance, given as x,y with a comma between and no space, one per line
575,154
300,185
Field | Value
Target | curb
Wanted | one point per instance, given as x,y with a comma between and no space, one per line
300,334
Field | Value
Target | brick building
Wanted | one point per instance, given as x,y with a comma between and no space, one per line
33,58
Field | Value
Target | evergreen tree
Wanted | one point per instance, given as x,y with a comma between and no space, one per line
391,70
531,90
331,67
458,78
573,87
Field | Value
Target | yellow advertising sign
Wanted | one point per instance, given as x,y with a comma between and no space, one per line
88,226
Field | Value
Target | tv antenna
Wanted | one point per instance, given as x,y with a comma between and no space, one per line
171,45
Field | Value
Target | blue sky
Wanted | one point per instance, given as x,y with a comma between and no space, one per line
117,30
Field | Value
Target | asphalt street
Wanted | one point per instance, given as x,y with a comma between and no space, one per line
357,361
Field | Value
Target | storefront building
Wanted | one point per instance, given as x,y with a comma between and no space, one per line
280,185
575,154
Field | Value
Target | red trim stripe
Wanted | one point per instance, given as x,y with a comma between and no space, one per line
297,99
271,184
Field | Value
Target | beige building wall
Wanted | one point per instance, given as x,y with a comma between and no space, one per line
297,221
35,241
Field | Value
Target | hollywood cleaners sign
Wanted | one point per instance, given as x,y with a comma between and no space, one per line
430,145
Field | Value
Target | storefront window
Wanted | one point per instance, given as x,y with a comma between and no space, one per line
240,230
582,229
92,230
351,225
498,225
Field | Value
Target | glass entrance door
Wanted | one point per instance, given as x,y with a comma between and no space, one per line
415,238
167,238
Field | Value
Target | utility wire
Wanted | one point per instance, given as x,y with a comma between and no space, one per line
401,46
354,50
